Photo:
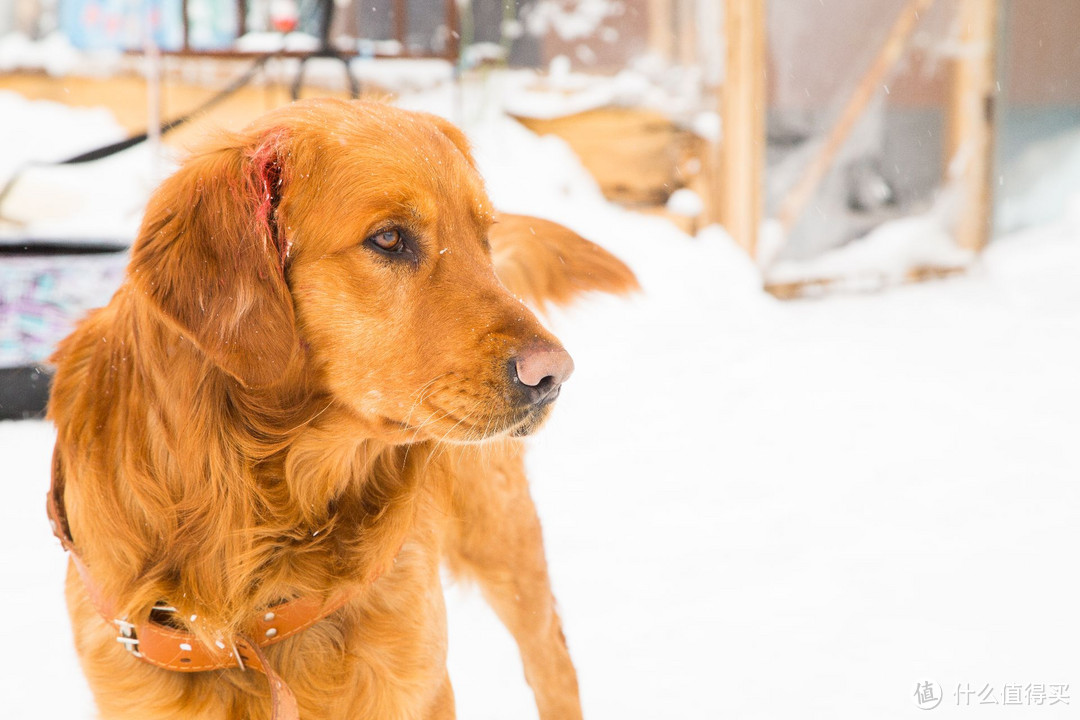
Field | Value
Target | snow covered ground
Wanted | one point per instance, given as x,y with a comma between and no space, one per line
752,509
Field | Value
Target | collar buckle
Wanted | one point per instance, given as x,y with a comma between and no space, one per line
127,637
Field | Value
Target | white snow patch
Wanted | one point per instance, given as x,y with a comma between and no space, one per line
882,257
46,131
401,74
707,125
478,53
570,21
685,202
103,199
1036,187
561,92
55,55
382,48
272,41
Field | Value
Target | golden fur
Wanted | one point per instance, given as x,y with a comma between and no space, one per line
268,408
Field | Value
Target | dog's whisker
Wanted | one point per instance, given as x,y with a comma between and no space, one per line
419,396
431,420
464,417
442,439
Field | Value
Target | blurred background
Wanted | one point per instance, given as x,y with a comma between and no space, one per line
842,145
827,460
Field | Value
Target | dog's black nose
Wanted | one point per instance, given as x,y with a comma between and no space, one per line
539,372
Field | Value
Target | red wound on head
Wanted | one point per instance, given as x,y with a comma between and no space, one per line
268,184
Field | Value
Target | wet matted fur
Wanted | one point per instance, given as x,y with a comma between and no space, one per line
273,405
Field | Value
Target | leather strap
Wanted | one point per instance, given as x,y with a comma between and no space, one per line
282,700
169,648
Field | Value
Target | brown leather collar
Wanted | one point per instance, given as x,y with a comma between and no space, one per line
169,648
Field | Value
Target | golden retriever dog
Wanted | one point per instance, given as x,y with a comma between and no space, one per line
308,395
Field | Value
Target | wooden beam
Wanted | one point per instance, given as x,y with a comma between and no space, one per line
742,109
453,27
401,22
661,28
970,138
871,83
185,26
241,18
686,35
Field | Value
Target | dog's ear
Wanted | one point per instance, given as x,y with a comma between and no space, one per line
453,134
541,262
211,256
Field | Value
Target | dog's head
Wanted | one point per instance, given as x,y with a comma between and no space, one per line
352,238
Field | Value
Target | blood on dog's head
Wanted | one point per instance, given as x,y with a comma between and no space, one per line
351,239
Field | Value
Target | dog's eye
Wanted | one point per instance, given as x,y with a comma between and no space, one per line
388,240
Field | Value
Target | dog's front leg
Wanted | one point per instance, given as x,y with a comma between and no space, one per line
495,539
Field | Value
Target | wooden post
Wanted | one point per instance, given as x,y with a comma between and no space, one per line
742,109
453,27
401,23
185,26
241,18
687,34
971,121
711,35
661,28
